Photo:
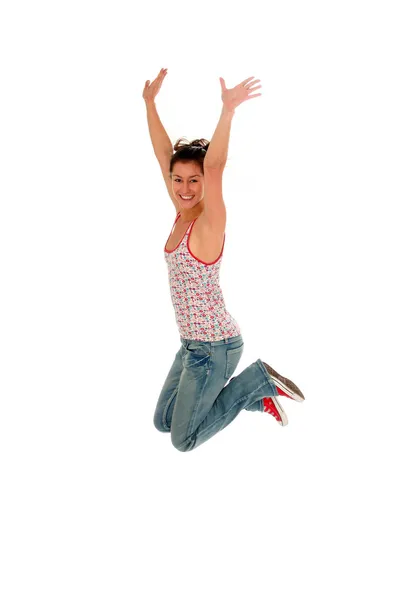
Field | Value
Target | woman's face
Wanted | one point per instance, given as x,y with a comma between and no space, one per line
187,180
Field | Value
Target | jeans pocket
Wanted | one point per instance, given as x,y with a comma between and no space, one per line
232,360
199,349
197,355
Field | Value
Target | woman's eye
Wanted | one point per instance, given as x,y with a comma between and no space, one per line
177,180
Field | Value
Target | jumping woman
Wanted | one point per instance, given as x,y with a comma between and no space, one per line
196,400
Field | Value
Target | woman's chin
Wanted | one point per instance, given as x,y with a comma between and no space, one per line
187,206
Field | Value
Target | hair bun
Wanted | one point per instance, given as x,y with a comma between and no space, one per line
189,151
201,143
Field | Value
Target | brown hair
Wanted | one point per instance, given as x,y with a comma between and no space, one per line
189,152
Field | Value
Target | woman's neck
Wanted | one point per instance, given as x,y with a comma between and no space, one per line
192,213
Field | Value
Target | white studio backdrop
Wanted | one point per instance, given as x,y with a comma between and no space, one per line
95,502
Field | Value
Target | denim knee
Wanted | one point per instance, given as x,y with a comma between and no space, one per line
159,425
183,446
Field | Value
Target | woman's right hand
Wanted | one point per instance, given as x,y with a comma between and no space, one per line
151,89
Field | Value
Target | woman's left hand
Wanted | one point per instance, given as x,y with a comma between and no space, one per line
235,96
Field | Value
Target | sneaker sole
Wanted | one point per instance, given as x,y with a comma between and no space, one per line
281,412
287,386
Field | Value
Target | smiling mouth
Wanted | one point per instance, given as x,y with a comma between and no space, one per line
186,199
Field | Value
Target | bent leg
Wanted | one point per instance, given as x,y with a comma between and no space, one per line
204,406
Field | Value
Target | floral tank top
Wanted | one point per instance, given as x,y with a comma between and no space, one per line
196,295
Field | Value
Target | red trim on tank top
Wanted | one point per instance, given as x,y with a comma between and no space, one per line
165,247
187,243
198,259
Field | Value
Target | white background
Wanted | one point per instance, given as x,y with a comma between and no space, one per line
95,502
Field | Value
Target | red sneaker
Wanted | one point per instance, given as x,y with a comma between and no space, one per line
272,406
284,386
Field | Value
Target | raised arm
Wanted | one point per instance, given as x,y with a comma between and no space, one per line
162,145
217,151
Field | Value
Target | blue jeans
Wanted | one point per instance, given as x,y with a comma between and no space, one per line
196,401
